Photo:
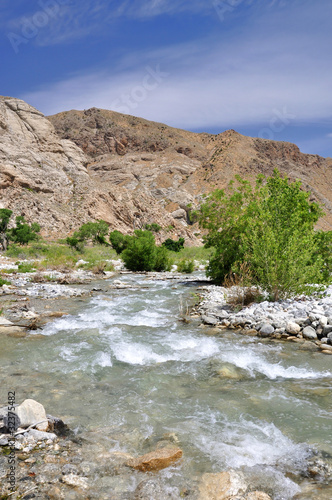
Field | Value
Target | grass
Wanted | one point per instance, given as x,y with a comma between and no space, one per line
4,282
59,256
186,266
192,253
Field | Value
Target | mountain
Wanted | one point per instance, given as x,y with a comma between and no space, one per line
76,166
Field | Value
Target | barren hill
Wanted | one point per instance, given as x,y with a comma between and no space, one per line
76,166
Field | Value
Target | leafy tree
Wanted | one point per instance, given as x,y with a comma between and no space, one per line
5,215
140,254
23,232
163,262
269,226
323,239
94,231
118,241
174,246
75,243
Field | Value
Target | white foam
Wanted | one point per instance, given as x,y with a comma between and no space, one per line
254,363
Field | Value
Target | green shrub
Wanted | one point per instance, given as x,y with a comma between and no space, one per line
23,232
118,241
174,246
140,254
154,227
163,261
4,282
186,266
25,267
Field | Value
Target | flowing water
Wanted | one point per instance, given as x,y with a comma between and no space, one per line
124,370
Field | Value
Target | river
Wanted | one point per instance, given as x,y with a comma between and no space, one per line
123,369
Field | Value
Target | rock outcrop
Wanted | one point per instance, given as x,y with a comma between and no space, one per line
78,166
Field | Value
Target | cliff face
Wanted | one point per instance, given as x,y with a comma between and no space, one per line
76,166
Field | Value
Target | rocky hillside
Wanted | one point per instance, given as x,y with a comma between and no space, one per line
76,166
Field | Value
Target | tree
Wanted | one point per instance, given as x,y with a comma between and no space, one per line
94,231
23,232
271,228
118,241
5,215
142,254
174,246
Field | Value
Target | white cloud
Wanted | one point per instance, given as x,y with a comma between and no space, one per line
230,85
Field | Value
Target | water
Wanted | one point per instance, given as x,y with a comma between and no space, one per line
124,371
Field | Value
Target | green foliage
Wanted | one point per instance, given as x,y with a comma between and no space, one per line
119,241
25,267
271,227
174,246
4,282
163,261
140,254
93,231
23,232
75,243
323,240
5,215
186,266
154,227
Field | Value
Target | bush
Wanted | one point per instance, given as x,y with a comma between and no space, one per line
186,266
154,227
163,261
118,241
4,282
271,227
174,246
75,243
140,254
23,232
25,267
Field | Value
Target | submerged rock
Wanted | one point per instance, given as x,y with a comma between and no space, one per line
222,486
156,460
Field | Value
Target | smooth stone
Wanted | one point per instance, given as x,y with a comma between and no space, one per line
293,328
209,320
326,330
42,436
146,490
309,333
30,412
323,321
266,330
156,460
222,486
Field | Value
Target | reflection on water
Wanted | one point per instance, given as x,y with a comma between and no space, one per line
125,368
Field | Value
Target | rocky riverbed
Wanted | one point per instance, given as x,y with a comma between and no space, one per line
304,320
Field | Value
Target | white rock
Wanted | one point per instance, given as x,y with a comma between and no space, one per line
30,412
293,328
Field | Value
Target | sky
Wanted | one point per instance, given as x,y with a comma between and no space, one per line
261,67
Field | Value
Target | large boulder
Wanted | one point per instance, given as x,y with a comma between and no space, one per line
156,460
309,333
30,412
293,328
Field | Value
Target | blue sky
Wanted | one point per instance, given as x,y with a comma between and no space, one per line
262,67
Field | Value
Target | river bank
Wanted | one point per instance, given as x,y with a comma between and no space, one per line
306,321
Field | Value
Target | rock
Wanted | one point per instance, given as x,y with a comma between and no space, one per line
179,214
156,460
223,486
209,320
323,321
57,426
266,330
75,481
257,495
326,330
8,328
309,333
150,489
293,328
41,435
30,412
